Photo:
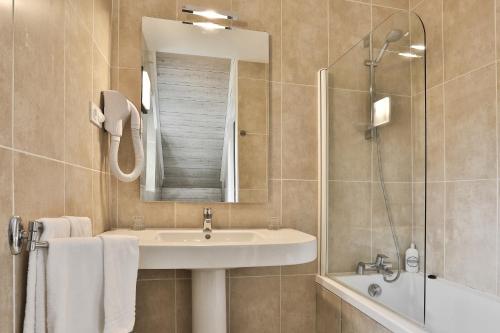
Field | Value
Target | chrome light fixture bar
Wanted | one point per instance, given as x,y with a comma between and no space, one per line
208,13
208,25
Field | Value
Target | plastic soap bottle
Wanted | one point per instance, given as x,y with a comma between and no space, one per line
411,259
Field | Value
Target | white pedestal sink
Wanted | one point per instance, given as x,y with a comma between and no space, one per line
209,258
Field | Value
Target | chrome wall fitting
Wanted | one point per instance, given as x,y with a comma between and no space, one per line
17,235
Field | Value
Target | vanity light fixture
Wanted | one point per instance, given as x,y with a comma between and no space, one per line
409,55
207,13
208,25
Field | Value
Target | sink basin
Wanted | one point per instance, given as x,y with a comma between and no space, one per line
188,249
209,259
217,237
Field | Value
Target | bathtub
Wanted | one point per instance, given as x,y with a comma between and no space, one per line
450,308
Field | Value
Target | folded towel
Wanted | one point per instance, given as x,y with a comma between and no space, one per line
35,312
75,285
80,226
121,262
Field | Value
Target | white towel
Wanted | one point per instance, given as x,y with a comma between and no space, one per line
35,313
80,226
121,262
75,285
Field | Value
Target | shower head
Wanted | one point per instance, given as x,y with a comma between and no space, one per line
391,37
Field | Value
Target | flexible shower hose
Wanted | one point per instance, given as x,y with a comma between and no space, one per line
387,208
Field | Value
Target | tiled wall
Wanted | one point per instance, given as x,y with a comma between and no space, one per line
462,102
282,298
333,315
54,59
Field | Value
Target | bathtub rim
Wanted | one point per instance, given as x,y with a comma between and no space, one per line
384,316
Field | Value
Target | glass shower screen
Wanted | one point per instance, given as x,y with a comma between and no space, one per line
374,177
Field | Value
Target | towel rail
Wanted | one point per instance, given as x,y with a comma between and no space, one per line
17,235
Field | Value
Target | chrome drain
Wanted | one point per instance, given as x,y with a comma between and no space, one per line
374,290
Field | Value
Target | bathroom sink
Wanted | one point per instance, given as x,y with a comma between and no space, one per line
209,258
189,249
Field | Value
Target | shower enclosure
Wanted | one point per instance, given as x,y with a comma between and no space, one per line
373,166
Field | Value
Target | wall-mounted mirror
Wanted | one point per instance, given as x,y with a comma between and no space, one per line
205,96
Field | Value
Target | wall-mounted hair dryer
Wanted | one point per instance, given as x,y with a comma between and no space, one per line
117,109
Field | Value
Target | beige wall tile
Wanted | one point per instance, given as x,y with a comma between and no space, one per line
183,306
253,105
252,298
401,4
155,274
104,205
469,35
418,139
383,20
435,134
101,81
129,23
435,228
350,152
77,191
84,10
263,15
327,311
102,27
78,91
275,131
155,306
300,202
190,215
430,11
6,259
298,304
471,216
6,74
299,132
354,321
252,162
305,40
349,23
470,118
256,271
347,73
160,9
393,75
350,229
39,40
38,187
156,214
130,85
115,29
250,216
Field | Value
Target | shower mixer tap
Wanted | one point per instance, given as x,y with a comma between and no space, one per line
380,266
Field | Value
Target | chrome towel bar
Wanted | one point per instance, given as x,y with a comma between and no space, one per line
17,235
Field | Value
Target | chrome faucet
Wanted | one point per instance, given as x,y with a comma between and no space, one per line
380,265
207,222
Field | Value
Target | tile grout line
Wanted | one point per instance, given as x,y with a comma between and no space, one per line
281,141
496,142
444,138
